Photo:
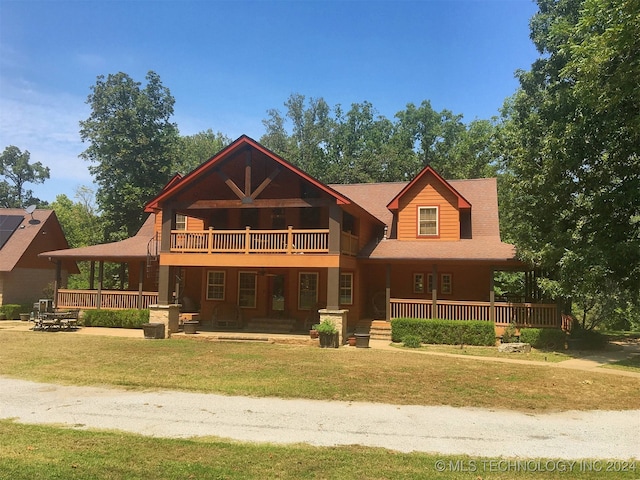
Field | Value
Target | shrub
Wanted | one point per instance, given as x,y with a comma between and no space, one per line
12,311
116,318
509,334
326,326
549,338
411,341
589,339
450,332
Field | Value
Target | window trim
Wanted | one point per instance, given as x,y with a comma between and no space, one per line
300,274
224,284
437,220
449,291
415,282
350,287
255,288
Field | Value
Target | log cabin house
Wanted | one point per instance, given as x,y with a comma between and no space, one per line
251,242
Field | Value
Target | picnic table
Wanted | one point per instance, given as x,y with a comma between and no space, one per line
66,320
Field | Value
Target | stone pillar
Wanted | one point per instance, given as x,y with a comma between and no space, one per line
167,314
338,318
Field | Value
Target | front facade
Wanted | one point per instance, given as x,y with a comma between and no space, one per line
249,240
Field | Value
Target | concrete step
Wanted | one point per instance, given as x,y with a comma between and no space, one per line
378,329
271,325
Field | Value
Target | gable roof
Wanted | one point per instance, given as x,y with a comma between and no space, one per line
462,202
34,232
132,248
179,184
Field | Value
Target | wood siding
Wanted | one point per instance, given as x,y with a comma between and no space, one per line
428,192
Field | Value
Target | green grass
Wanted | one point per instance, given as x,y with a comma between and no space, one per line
631,364
32,451
289,371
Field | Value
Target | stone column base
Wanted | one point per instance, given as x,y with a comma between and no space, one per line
338,318
167,314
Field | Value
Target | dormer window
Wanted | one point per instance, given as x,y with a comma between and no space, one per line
427,221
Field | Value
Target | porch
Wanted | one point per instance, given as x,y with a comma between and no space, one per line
289,241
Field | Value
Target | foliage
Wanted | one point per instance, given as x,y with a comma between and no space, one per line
16,169
509,334
12,311
130,318
450,332
571,165
588,339
132,146
361,146
411,341
194,150
543,338
326,327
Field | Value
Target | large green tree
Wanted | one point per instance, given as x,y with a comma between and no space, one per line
198,148
132,147
17,171
570,142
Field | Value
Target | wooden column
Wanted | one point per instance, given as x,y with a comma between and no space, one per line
492,298
333,288
140,282
100,280
387,295
56,283
92,275
164,271
335,228
434,292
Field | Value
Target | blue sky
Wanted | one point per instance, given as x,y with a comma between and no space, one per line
227,63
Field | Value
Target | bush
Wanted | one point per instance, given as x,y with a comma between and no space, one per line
12,311
509,334
116,318
326,327
449,332
588,339
545,338
411,341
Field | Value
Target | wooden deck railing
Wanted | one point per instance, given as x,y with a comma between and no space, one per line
522,314
348,244
105,299
288,241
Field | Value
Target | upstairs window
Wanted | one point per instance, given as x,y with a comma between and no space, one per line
181,221
427,221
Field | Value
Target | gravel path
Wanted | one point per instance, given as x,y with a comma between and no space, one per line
446,430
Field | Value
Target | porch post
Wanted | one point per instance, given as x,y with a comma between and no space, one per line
164,271
388,293
492,298
434,292
100,279
335,227
141,268
92,275
333,288
56,283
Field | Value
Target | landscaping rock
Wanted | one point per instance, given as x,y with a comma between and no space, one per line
515,347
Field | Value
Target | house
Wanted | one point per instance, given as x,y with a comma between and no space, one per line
24,234
252,242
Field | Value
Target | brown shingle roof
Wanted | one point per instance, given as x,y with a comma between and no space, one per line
129,249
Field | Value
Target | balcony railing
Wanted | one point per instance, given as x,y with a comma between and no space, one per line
105,299
290,241
522,314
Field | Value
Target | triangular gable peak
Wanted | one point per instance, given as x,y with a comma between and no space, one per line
244,173
462,203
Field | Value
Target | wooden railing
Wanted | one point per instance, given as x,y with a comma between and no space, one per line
522,314
348,244
288,241
106,299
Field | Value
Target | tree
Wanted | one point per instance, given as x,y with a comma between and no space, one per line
570,138
132,147
196,149
15,167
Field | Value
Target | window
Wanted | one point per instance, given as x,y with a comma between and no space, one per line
247,289
346,288
215,285
418,283
445,284
430,283
181,221
307,290
428,221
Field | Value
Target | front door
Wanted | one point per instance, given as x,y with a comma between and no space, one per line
277,299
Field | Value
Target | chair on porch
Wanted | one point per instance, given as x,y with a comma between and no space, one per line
227,315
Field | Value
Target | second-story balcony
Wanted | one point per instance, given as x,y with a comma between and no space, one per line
290,241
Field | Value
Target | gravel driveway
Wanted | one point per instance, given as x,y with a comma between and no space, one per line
446,430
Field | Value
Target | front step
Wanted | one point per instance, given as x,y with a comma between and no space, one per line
271,325
378,329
